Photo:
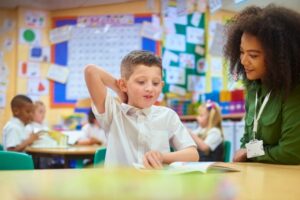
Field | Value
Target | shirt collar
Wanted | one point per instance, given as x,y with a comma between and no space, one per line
132,111
18,121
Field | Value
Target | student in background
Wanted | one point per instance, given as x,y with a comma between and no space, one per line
92,132
263,48
138,131
14,133
209,136
38,126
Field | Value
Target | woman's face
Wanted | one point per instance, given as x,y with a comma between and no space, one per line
252,57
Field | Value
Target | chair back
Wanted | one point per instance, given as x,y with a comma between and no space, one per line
1,147
227,149
99,156
10,160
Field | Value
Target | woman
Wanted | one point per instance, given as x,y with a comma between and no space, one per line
263,49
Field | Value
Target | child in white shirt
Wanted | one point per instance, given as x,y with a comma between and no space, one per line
209,136
92,132
138,131
38,126
15,137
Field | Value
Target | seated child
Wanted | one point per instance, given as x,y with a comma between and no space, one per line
38,126
138,131
209,136
92,132
14,133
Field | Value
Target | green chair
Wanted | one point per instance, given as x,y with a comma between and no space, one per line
10,160
227,149
1,147
99,156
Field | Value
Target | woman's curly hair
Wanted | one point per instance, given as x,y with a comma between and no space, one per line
278,30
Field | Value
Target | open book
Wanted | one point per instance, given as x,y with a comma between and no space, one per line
204,167
187,167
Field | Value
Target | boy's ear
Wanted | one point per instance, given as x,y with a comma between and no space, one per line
122,85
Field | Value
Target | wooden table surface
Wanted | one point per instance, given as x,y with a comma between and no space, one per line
252,181
67,153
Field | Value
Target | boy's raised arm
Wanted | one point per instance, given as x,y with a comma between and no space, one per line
97,80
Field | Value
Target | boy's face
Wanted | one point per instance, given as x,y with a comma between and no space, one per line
39,114
143,86
24,112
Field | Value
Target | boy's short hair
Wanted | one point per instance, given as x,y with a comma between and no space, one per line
138,57
19,100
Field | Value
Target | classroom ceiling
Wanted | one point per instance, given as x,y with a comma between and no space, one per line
68,4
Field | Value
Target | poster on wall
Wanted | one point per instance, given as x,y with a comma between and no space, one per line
29,36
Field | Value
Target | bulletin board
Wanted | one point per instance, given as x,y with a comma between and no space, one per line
66,53
184,55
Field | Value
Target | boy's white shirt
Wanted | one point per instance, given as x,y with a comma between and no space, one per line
213,138
132,132
91,130
13,133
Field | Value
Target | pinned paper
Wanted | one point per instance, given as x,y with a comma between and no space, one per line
39,54
196,18
216,66
175,75
30,36
151,32
37,86
199,50
177,90
195,35
8,24
175,42
187,60
201,65
2,100
29,69
58,73
169,57
215,5
60,34
196,83
35,19
8,44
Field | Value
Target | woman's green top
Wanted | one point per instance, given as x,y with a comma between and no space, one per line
278,126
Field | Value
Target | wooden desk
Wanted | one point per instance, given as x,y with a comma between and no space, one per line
67,153
253,181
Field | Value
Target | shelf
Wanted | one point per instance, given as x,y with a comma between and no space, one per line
235,116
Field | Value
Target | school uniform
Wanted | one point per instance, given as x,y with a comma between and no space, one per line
278,126
14,133
93,131
132,132
214,141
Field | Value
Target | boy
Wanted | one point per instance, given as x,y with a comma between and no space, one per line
138,131
14,133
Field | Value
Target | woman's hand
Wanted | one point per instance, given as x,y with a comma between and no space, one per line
240,156
153,160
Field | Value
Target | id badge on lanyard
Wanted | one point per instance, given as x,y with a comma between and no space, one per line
255,147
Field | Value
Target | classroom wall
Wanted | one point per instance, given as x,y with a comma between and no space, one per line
9,59
20,51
